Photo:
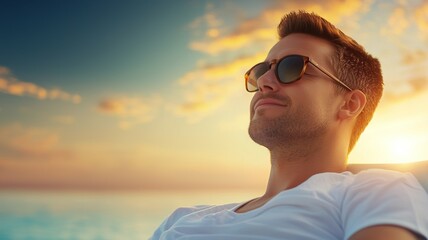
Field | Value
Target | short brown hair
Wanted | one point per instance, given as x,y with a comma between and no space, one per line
352,64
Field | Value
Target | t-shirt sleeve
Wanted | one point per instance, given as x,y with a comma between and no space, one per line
177,214
378,197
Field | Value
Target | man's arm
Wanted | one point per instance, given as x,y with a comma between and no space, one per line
389,232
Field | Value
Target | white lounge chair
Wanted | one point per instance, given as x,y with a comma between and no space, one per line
419,169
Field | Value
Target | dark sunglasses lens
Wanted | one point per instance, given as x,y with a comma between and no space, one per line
290,69
255,73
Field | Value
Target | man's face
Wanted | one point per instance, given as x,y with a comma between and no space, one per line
287,113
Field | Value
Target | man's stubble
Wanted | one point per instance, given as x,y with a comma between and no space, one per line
296,129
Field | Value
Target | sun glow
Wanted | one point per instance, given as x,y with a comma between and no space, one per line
402,149
381,145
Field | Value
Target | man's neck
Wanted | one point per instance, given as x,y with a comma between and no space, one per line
289,168
293,162
289,174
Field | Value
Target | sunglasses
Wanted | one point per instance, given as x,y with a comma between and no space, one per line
288,70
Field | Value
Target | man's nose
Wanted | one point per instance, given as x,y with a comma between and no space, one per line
268,82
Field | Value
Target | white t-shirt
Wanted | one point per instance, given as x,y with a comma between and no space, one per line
326,206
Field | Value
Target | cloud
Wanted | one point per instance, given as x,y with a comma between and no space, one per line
406,16
26,143
225,70
414,57
233,42
397,23
4,71
131,111
421,18
409,58
10,85
210,86
208,22
201,104
404,90
64,119
251,31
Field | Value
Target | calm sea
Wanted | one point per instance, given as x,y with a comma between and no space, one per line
97,215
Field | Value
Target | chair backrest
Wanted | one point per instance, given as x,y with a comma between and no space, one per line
418,169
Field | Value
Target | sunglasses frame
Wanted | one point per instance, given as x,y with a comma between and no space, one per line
306,60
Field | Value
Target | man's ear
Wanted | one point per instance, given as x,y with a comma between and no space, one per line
353,104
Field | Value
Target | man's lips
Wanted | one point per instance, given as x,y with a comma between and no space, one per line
268,102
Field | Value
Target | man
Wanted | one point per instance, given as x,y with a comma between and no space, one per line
314,95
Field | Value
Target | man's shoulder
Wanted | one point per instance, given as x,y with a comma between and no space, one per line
380,186
384,197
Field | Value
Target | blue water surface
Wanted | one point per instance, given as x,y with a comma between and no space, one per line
70,215
45,215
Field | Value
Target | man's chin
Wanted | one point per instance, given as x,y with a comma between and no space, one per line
263,130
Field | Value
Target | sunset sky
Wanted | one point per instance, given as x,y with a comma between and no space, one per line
150,94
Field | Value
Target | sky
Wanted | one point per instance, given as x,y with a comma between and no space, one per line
150,94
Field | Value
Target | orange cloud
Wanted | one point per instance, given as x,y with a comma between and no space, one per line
209,87
64,119
131,111
414,57
10,85
26,143
250,32
404,17
217,72
233,42
201,104
4,70
404,90
421,17
397,23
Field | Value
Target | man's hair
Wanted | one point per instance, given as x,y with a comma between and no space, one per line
352,64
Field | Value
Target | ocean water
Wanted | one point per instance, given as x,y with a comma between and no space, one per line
48,215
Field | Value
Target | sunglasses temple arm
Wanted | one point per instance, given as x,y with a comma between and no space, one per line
329,74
